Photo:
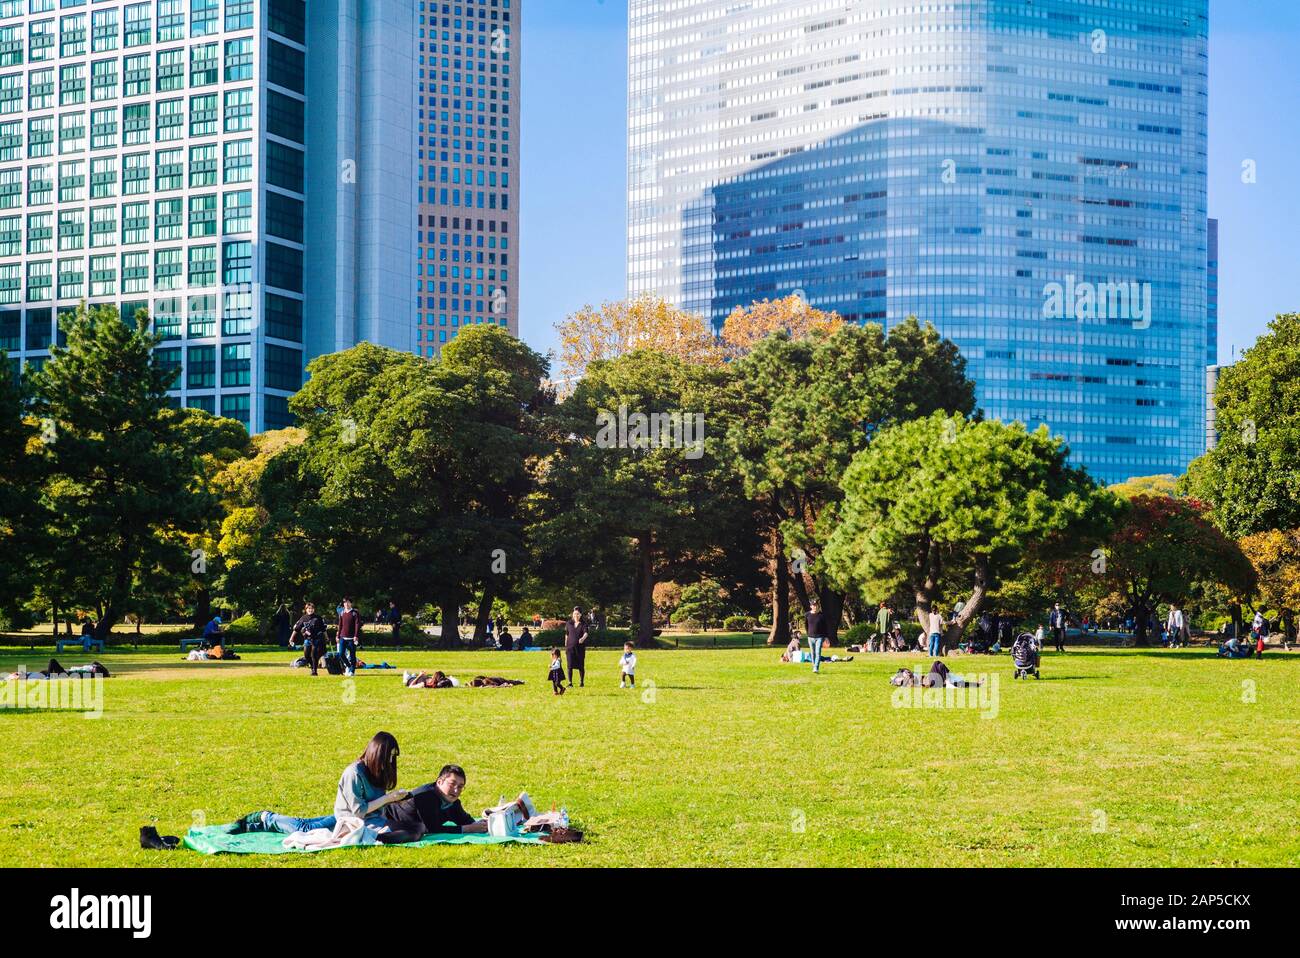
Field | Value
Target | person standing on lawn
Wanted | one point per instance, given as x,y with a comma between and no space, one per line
935,629
575,646
1056,621
349,637
311,629
882,622
1174,625
394,618
817,633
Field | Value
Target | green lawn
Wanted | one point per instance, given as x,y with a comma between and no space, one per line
1117,757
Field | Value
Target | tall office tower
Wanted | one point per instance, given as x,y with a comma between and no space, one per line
151,156
360,170
1212,294
1031,177
468,157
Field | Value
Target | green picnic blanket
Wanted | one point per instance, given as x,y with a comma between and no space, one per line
217,840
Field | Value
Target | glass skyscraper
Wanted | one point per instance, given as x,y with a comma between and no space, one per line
151,157
1031,177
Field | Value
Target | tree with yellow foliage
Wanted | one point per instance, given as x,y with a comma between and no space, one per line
1276,558
746,327
646,322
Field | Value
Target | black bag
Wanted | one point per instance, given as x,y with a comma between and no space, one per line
333,664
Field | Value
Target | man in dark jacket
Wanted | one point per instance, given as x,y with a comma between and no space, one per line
394,619
817,633
1057,623
349,636
311,629
431,810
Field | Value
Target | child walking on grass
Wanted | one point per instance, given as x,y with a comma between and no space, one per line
556,674
628,665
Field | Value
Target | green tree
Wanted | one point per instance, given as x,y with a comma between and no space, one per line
703,602
119,467
943,505
808,407
1250,478
1166,549
612,490
418,469
19,502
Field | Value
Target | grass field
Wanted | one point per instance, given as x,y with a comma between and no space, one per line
1117,757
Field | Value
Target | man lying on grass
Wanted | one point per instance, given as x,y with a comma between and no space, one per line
431,810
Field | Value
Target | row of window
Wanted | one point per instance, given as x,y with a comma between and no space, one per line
137,73
169,224
136,178
283,367
166,118
132,26
281,318
168,272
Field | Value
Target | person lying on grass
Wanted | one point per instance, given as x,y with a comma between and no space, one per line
366,788
433,809
423,680
56,671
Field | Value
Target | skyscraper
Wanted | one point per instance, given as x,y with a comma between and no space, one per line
259,179
361,169
152,158
1031,177
468,218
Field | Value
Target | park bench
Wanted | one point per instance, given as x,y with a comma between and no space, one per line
87,644
186,643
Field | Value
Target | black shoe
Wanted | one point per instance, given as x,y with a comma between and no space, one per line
151,840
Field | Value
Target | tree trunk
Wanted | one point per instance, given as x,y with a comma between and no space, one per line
833,608
202,608
645,636
637,595
1140,621
954,632
800,590
926,568
780,633
484,613
450,632
54,614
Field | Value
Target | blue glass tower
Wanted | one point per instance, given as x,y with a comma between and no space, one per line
1030,177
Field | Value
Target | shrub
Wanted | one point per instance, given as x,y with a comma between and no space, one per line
602,639
739,623
548,638
858,634
246,628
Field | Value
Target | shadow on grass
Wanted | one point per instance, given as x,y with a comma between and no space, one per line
1206,653
1068,678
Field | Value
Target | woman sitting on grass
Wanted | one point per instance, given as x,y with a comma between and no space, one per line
366,787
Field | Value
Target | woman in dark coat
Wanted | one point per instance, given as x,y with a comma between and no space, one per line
575,645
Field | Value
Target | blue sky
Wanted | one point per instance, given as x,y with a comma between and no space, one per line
574,161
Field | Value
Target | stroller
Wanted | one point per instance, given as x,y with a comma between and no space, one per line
1024,653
